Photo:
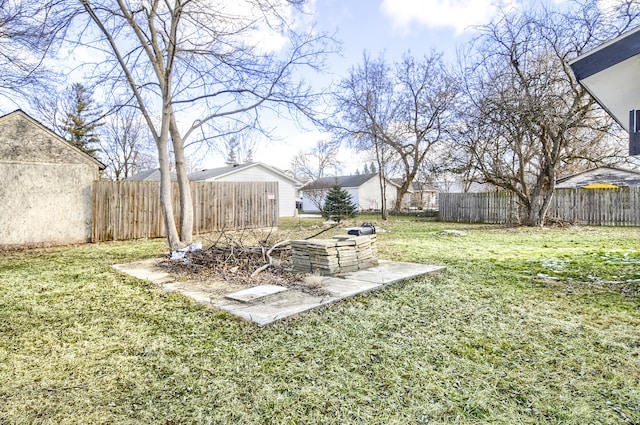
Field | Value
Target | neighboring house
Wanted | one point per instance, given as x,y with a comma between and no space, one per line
254,172
46,191
421,196
424,196
600,177
363,188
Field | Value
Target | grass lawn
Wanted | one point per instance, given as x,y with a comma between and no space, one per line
524,327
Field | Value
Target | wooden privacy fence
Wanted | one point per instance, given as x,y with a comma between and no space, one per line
124,210
597,207
488,207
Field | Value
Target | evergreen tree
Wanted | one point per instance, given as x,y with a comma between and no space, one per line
231,158
82,119
338,204
372,169
366,169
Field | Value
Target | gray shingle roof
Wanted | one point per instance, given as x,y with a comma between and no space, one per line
152,175
208,174
215,172
344,181
611,175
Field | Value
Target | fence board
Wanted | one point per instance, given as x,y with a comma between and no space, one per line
124,210
597,207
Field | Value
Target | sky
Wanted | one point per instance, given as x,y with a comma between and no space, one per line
390,27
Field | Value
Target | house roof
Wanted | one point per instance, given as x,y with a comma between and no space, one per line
344,181
216,173
57,138
152,175
601,175
211,173
610,74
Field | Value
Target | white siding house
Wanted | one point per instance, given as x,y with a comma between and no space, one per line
254,172
363,188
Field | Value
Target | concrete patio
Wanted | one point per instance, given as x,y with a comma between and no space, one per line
265,304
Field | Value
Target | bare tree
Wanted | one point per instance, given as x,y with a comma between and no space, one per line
365,102
189,66
126,144
24,41
319,161
398,111
385,157
526,116
49,109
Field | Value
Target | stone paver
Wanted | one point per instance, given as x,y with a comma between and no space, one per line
255,293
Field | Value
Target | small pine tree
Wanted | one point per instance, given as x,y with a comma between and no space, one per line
82,120
373,168
231,158
366,169
338,204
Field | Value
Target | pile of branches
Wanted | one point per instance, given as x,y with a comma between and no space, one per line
231,260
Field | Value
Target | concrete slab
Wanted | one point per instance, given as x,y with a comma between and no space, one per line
343,288
276,307
146,270
199,296
266,304
289,303
255,293
387,272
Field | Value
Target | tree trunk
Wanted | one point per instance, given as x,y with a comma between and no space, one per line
384,212
403,190
186,203
538,207
166,201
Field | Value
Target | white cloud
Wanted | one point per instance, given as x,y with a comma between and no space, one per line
456,14
266,33
280,153
608,9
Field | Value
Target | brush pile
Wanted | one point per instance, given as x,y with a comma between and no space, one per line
237,263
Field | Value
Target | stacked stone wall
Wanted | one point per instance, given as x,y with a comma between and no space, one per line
342,254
